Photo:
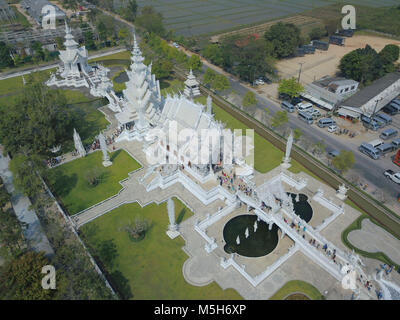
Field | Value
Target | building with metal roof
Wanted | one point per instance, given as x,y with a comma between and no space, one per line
373,98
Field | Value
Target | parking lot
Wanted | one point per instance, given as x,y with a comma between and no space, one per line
367,172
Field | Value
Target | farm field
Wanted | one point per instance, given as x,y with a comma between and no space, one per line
193,17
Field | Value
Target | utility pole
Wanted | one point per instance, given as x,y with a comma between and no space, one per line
301,66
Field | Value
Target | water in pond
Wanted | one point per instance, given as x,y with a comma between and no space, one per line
258,244
302,207
121,78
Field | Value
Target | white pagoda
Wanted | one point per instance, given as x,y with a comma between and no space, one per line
191,86
74,70
143,102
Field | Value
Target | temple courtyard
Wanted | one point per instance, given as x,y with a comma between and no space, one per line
164,225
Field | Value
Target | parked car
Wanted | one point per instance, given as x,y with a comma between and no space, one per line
304,107
390,110
315,113
333,128
333,153
396,143
326,122
394,176
259,81
388,133
370,151
287,106
384,117
386,148
176,45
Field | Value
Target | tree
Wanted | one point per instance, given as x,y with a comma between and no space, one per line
249,99
162,69
94,175
344,161
290,87
194,63
247,57
209,76
213,53
5,56
22,278
89,41
297,133
363,65
102,30
124,35
317,33
284,37
108,252
220,83
390,53
151,20
319,147
25,178
279,119
130,12
60,43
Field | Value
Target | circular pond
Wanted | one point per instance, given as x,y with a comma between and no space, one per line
257,244
301,206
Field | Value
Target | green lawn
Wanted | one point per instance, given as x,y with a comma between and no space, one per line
266,155
297,286
153,266
69,183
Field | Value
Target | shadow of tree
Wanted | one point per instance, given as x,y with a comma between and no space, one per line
63,184
122,285
181,215
115,154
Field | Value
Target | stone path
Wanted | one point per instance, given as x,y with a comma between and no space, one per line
372,238
33,232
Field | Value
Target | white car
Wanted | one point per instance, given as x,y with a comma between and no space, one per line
176,45
315,113
304,106
395,177
259,81
333,128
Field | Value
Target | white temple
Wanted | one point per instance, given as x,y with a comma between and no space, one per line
191,86
147,116
142,102
74,70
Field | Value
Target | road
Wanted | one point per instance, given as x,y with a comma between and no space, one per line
371,171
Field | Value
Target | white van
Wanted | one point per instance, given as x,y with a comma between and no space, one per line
376,143
306,117
304,107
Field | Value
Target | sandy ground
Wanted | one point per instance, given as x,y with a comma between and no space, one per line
323,63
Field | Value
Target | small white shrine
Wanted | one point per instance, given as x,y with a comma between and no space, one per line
74,70
191,86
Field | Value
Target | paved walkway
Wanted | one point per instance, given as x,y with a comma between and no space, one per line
33,232
372,238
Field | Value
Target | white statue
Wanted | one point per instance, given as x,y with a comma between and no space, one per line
246,233
286,160
78,144
237,240
342,192
172,227
103,147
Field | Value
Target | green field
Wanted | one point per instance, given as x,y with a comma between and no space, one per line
70,185
297,286
153,266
